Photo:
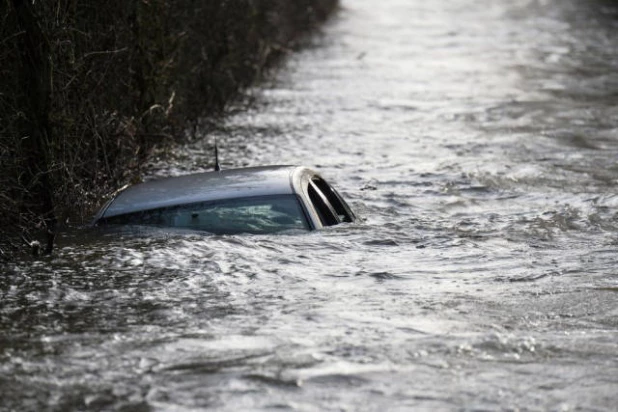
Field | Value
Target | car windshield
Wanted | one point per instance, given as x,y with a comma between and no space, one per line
258,215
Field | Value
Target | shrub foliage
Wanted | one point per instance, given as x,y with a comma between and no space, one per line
88,88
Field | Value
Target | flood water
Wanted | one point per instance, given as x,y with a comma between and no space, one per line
478,141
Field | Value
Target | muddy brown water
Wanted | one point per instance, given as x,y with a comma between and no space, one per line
478,140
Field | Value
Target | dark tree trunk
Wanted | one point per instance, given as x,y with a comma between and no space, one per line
36,79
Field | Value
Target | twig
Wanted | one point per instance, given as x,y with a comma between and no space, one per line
19,33
96,53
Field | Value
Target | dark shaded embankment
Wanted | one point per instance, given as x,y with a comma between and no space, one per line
88,88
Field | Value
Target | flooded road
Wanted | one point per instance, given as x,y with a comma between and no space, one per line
478,140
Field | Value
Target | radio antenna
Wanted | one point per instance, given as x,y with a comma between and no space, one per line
217,165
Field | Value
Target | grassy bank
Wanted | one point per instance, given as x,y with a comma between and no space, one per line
87,89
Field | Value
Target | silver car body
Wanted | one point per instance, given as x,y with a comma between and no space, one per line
321,204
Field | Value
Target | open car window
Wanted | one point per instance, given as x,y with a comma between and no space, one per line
258,215
332,200
324,209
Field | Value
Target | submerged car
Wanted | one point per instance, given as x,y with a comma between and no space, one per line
256,200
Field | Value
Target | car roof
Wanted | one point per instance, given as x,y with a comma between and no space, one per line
207,186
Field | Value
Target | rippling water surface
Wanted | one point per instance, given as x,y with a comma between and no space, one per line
479,142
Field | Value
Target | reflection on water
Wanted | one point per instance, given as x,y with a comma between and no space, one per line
477,140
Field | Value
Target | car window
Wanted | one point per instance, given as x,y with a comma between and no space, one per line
259,215
326,212
343,211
